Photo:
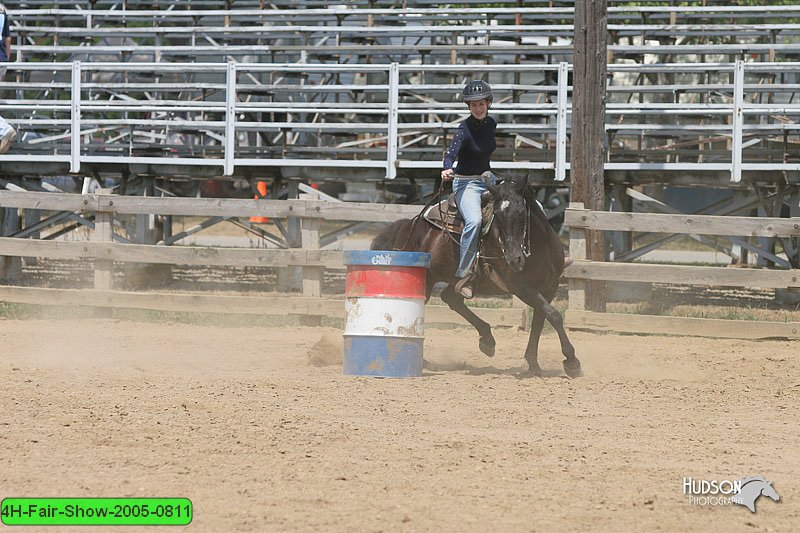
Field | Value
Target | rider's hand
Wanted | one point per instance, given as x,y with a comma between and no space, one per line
447,175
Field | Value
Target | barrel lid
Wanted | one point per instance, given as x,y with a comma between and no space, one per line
387,258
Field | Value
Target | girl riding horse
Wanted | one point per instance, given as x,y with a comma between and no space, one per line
472,146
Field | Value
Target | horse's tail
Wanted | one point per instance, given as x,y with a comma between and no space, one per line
388,238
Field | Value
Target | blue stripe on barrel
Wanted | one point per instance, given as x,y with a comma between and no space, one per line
394,357
387,258
385,297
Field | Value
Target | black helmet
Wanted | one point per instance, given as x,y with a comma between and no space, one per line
477,90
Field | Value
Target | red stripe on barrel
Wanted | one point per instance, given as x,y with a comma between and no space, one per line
378,281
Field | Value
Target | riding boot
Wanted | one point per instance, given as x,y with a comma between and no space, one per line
464,286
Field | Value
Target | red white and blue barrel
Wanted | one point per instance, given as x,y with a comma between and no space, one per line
384,312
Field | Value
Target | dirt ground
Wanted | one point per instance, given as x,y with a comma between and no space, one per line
259,428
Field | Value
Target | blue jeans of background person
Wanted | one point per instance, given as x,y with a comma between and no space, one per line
468,191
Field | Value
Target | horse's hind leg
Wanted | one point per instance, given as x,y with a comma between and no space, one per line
455,301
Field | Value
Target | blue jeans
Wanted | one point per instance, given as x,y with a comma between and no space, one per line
468,191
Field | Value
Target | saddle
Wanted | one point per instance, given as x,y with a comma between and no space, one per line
445,215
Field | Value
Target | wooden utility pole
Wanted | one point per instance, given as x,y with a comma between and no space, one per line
588,146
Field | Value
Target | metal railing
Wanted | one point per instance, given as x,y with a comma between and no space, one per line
383,113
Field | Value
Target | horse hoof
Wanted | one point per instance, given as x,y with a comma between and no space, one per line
487,344
573,369
531,373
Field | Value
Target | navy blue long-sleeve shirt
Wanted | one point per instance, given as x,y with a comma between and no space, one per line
5,32
472,146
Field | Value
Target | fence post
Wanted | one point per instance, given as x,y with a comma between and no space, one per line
75,139
561,122
230,119
30,218
738,121
792,245
517,303
10,266
577,250
392,136
103,268
309,235
312,275
290,278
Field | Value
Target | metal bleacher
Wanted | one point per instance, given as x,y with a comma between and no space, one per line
698,95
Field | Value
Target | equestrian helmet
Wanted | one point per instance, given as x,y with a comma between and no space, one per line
477,90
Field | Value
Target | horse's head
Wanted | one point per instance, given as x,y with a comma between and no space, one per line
752,487
511,221
769,491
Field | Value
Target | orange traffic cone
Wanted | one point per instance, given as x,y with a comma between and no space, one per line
262,189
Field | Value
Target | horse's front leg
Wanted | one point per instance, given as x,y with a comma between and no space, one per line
532,297
486,343
572,366
532,349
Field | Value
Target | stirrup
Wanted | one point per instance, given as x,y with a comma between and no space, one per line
464,287
466,292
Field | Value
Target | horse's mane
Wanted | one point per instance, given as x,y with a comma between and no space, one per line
750,479
530,199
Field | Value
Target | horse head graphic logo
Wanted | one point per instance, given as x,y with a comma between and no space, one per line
752,488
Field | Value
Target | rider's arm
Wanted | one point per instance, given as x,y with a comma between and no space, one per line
451,155
6,33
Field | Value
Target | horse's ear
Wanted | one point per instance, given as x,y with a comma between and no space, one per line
519,184
528,188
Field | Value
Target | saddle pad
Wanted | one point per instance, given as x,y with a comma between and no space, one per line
444,216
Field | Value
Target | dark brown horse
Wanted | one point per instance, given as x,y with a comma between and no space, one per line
520,255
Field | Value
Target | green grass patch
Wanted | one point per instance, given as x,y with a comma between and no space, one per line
755,314
15,311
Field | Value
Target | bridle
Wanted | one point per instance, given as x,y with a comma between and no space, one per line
525,244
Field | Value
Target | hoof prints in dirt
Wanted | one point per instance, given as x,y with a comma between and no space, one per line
328,351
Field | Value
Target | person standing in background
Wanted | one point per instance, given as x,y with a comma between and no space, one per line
7,133
5,50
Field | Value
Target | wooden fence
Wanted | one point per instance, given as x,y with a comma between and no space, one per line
313,260
103,252
581,220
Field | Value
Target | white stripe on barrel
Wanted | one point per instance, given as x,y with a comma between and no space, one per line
385,316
